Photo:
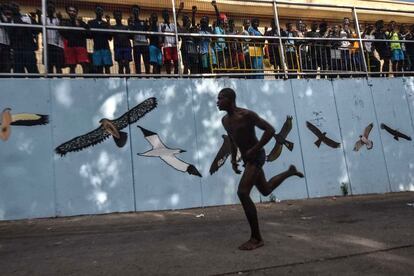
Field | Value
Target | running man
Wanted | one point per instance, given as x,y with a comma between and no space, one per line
240,125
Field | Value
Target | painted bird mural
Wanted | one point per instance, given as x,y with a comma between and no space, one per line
395,133
363,139
281,140
109,128
20,119
222,155
166,154
322,137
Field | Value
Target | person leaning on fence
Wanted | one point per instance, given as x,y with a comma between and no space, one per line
245,45
189,50
75,51
102,56
290,49
403,33
345,47
373,62
256,51
410,49
274,47
207,56
397,55
169,43
335,53
382,47
313,54
5,58
23,42
155,42
55,52
122,44
324,58
140,41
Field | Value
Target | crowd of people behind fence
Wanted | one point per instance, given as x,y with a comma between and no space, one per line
67,48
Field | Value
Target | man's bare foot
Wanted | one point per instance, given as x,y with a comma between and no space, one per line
251,244
292,169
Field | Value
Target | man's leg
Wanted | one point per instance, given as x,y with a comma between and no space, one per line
246,184
266,187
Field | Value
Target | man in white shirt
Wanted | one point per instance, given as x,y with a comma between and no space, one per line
55,53
170,43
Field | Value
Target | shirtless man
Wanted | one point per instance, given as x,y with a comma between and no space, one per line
240,125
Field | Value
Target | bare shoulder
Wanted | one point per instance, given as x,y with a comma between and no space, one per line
225,120
248,114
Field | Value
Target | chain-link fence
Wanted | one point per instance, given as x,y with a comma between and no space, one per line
199,38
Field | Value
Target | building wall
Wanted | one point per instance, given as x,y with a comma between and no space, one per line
36,182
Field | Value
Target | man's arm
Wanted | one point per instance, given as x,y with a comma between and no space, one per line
234,163
269,131
214,3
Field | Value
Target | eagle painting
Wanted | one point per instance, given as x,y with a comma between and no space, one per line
109,128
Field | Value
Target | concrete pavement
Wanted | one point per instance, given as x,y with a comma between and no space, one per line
364,235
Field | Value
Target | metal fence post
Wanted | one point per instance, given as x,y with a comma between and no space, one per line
281,48
44,37
361,45
180,67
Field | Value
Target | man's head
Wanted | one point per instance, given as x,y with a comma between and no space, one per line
154,18
314,26
323,27
289,26
72,11
246,24
186,21
165,15
226,99
117,15
204,21
50,9
392,26
15,8
135,10
255,23
379,25
7,11
99,11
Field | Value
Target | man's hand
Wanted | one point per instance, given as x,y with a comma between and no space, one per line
194,9
235,167
214,3
108,18
181,5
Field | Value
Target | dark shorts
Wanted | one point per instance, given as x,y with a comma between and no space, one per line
258,161
123,54
56,56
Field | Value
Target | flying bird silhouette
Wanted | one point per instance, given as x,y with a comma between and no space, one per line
166,154
20,119
322,137
109,128
281,140
363,139
222,155
395,133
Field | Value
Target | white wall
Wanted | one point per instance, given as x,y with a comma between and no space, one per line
35,182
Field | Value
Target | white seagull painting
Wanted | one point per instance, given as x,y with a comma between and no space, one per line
166,154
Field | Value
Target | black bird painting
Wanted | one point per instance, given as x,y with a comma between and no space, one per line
281,140
19,119
109,128
395,133
166,154
322,137
223,153
364,140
